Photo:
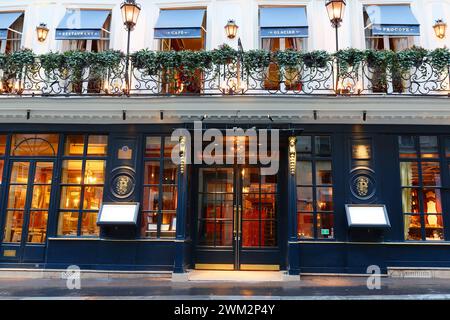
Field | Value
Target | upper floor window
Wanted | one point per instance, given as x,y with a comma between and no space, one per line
159,203
181,29
11,28
86,30
420,176
177,30
283,28
315,210
82,181
390,27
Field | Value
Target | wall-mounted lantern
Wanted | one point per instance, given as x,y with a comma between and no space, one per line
42,32
440,27
292,154
231,29
182,154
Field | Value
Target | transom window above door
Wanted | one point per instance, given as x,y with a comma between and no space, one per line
32,145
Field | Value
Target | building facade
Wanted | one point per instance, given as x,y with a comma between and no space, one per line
83,124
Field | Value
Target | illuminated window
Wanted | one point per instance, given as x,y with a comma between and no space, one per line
315,211
34,144
82,181
159,203
420,176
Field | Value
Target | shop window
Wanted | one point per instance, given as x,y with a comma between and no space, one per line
81,186
420,176
315,208
36,145
159,203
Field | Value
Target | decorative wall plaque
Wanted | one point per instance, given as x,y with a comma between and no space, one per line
362,184
122,185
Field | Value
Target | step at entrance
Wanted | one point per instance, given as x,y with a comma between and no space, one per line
241,276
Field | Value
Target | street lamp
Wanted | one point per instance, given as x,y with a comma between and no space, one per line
439,28
336,9
231,29
130,14
42,32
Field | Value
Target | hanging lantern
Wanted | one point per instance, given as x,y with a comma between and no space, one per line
440,27
335,9
42,32
231,29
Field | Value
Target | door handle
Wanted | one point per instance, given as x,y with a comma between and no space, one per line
240,221
235,221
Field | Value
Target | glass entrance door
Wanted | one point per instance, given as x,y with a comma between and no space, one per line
27,209
237,225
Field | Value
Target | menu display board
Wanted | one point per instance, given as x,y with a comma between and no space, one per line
119,213
367,215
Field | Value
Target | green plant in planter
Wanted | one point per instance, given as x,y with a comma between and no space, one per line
289,59
409,58
348,59
52,62
16,63
224,55
102,62
75,62
146,61
2,61
379,61
440,59
316,59
256,59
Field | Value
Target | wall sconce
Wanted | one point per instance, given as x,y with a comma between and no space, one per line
292,155
231,29
439,28
182,154
42,32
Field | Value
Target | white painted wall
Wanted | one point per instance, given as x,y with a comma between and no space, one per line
245,12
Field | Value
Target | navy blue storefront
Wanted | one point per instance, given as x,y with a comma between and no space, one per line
293,220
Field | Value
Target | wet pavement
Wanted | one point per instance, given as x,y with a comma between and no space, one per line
310,287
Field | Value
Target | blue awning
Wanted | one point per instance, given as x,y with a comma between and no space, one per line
392,20
82,25
287,22
7,19
179,24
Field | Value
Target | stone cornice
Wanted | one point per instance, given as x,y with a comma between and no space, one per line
329,109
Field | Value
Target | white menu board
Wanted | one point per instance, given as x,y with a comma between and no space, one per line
118,213
372,215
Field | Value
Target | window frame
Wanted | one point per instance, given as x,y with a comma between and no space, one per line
314,157
161,160
82,185
420,187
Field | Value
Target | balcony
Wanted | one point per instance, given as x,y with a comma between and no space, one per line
225,71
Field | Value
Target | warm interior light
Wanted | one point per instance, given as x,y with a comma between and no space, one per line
42,32
231,29
130,13
440,28
335,9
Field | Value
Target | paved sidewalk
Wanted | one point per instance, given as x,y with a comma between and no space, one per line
310,287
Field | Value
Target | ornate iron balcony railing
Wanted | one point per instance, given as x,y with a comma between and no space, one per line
226,72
